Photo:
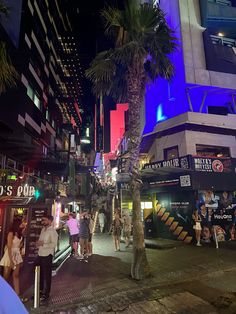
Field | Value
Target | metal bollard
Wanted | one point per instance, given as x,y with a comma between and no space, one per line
36,286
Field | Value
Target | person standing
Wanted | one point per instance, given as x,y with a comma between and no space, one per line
84,234
46,244
12,259
127,228
116,228
73,226
101,219
197,226
91,230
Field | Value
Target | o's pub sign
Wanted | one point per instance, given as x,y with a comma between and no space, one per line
17,191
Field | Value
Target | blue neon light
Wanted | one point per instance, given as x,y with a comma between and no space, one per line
160,116
165,100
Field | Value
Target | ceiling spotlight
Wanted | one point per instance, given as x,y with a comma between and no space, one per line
221,34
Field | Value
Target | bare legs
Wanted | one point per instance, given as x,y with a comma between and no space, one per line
6,273
75,247
15,277
83,245
198,237
117,242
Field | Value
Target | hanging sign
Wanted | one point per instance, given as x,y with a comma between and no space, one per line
208,164
17,191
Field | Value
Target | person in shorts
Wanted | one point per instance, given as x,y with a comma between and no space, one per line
197,226
73,226
84,234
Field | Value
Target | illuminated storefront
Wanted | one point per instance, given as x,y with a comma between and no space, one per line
181,185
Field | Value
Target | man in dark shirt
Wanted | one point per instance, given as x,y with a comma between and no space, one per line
84,234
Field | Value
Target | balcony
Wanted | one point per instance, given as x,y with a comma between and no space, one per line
218,15
220,53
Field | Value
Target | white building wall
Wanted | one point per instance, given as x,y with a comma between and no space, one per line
193,138
157,149
187,141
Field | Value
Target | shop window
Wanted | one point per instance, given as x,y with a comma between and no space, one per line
212,151
171,152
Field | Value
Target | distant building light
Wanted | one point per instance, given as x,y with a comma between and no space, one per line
85,141
221,34
87,132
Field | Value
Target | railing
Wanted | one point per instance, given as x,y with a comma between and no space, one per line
224,41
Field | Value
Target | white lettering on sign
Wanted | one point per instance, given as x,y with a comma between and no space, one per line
20,191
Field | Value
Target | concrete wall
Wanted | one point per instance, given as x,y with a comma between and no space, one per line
157,149
187,140
192,138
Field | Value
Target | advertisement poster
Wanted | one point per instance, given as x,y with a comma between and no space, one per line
208,164
218,215
176,208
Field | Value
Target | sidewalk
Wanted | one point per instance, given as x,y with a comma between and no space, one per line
199,275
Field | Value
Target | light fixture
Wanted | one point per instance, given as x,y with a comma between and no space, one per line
220,34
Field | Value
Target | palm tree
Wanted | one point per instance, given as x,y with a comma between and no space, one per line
8,74
143,43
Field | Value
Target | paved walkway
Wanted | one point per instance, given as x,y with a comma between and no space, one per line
202,276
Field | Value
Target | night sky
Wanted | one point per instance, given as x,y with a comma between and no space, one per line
88,28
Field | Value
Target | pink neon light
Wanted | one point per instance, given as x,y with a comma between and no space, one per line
117,122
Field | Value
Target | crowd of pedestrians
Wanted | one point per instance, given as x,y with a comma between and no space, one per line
81,228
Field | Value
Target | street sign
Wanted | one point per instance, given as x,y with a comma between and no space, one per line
123,177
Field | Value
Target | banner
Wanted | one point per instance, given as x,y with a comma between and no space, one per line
207,164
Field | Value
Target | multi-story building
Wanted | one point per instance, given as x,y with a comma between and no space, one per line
189,137
40,119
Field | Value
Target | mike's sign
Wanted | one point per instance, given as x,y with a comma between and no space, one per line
17,191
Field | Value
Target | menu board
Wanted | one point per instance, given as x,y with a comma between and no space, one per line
35,227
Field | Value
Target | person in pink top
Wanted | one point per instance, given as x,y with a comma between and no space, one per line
73,226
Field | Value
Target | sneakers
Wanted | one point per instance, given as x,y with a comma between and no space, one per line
80,257
198,244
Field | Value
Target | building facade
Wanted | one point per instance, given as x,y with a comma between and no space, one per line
40,120
189,137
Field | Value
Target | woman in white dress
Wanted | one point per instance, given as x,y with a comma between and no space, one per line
12,259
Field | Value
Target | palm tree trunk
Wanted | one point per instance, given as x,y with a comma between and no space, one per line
140,268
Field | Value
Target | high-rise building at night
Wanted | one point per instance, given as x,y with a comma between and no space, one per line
40,118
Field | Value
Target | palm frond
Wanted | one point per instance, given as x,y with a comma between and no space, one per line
101,72
143,40
8,74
